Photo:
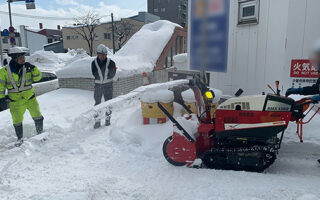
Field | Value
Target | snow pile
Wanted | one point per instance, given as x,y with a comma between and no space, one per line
190,125
48,60
145,47
217,95
78,69
188,96
163,96
125,100
181,61
138,55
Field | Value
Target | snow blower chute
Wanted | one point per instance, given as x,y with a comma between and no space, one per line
245,134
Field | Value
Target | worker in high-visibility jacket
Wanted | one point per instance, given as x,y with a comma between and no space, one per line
17,78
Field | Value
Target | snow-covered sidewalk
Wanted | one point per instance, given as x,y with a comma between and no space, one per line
125,161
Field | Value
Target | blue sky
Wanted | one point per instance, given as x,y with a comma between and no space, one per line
69,9
124,4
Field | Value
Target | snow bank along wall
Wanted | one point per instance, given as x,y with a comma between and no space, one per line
261,53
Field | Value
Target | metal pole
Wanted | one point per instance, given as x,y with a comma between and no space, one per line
204,35
10,17
1,48
113,42
9,6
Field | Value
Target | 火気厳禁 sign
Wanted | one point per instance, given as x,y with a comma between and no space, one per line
303,69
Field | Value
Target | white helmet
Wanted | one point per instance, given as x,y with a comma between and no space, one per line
102,49
15,52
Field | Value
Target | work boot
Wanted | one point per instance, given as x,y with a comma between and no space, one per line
39,125
97,125
108,117
19,132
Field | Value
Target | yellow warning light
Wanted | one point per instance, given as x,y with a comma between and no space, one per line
209,95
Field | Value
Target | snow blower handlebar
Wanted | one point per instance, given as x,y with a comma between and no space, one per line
197,82
299,114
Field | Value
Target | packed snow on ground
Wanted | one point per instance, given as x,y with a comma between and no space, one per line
138,55
125,161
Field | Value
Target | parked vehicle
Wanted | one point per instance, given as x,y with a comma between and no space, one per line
48,83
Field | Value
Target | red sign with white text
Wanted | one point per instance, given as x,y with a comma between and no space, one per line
303,69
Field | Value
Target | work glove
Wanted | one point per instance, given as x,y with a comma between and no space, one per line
316,98
29,66
293,91
3,104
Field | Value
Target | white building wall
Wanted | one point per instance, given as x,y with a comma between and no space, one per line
33,41
260,54
302,31
36,41
256,51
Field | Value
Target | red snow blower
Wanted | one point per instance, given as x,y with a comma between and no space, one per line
245,134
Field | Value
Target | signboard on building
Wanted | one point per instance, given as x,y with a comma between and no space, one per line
303,73
30,4
5,32
209,30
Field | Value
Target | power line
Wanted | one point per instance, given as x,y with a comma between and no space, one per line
42,17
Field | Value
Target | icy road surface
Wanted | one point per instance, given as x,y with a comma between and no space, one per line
125,161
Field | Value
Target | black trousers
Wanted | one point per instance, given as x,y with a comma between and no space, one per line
105,90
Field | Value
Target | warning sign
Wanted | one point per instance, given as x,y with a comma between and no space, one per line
303,73
303,69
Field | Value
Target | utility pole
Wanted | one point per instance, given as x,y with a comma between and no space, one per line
113,42
1,48
29,4
204,35
10,17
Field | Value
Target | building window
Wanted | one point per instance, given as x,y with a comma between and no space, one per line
155,10
50,40
5,40
96,37
107,36
163,9
248,11
68,37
